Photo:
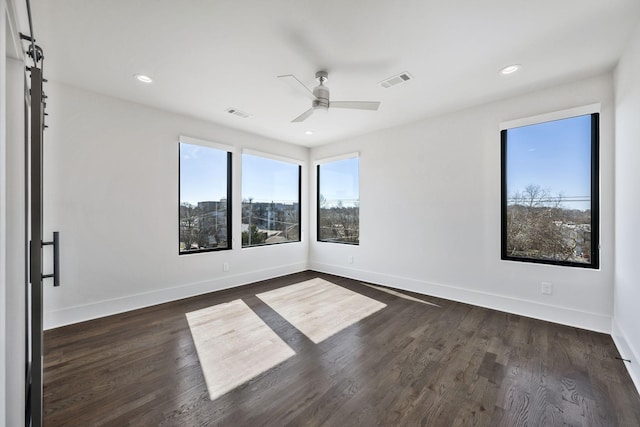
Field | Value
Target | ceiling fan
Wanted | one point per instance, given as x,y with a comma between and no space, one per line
320,96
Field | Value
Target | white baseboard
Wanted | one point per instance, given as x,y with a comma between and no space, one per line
562,315
551,313
76,314
626,352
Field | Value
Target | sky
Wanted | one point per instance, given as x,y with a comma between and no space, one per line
340,181
203,177
267,180
203,174
554,155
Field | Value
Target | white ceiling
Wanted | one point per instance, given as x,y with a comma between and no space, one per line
206,56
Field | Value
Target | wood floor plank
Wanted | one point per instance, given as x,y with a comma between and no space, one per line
415,361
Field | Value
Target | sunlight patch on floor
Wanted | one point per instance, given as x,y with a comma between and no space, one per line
399,294
318,308
234,345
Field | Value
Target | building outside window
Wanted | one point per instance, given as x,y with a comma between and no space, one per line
270,201
204,199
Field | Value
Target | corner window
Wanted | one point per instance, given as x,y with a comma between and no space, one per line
270,201
339,201
550,193
205,195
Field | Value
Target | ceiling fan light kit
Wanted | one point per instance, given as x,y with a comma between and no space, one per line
320,96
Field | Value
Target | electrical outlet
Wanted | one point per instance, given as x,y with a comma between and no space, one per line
350,259
547,288
225,266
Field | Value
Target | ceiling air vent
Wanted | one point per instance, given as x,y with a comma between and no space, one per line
238,113
396,80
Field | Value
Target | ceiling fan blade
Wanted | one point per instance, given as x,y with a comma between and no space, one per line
302,117
297,86
357,105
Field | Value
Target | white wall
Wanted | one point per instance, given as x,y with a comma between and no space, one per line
16,245
626,331
3,210
111,189
430,213
12,241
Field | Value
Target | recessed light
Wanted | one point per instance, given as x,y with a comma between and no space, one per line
143,78
308,132
510,69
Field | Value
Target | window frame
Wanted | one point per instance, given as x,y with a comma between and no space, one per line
282,159
593,112
318,207
229,152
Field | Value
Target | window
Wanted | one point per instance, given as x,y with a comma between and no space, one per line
270,201
339,201
205,194
550,192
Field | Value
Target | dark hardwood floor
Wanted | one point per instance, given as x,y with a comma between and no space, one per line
412,364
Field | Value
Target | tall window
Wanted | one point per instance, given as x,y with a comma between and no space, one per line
550,192
270,201
339,201
205,195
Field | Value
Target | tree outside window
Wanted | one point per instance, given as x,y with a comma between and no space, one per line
550,192
339,201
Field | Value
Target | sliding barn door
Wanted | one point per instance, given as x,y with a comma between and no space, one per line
35,117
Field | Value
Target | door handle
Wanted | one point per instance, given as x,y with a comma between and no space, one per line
56,259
